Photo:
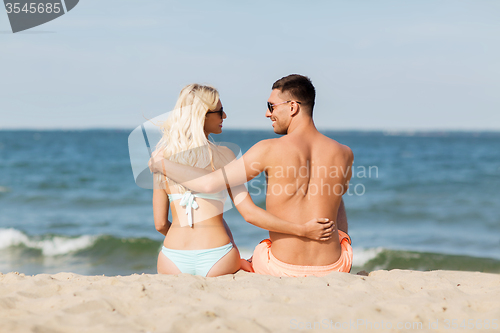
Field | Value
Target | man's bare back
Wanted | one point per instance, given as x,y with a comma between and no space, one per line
307,175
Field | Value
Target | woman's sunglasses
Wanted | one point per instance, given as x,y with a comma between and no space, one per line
220,112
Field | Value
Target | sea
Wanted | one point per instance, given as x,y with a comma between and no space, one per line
70,202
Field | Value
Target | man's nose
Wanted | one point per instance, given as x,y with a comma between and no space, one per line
268,113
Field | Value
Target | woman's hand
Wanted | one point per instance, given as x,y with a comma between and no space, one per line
319,229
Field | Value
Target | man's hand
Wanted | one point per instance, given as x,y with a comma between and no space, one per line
155,163
319,229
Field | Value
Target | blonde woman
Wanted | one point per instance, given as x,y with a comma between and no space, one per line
198,240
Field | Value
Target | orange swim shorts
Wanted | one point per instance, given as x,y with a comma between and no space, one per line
264,262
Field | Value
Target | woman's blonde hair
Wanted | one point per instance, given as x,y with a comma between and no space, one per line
183,140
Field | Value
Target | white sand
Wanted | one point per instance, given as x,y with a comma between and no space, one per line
245,302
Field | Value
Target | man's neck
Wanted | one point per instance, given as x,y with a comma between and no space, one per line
301,125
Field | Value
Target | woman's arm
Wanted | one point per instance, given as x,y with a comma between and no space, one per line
315,229
160,210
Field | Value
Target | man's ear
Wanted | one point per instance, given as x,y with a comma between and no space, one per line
294,109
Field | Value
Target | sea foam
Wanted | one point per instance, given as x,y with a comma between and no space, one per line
50,245
362,255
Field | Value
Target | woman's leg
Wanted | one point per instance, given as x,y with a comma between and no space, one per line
166,266
228,264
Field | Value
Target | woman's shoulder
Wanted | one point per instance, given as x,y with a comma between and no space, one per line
225,151
222,156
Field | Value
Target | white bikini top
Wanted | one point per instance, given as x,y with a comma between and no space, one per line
188,198
188,201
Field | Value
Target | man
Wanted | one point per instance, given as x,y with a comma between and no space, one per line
307,173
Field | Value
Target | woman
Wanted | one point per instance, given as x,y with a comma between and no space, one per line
198,241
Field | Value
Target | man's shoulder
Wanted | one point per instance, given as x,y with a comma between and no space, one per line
337,148
346,153
262,151
343,149
267,144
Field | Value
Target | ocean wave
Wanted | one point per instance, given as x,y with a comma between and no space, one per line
49,245
98,246
387,259
109,250
362,256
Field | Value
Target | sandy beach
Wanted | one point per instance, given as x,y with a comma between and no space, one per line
390,301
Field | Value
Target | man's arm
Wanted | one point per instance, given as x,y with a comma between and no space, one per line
235,173
341,214
315,229
342,217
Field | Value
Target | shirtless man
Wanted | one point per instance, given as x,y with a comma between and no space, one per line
307,174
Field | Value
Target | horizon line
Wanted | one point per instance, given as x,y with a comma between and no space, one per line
390,130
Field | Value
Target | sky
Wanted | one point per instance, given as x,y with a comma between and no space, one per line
376,65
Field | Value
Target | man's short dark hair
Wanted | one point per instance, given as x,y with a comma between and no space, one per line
299,87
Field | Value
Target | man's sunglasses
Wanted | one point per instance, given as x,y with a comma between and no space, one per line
270,106
220,112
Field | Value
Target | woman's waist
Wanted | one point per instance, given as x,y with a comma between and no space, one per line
201,216
203,235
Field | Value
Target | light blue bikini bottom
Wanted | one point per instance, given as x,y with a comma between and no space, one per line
196,262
